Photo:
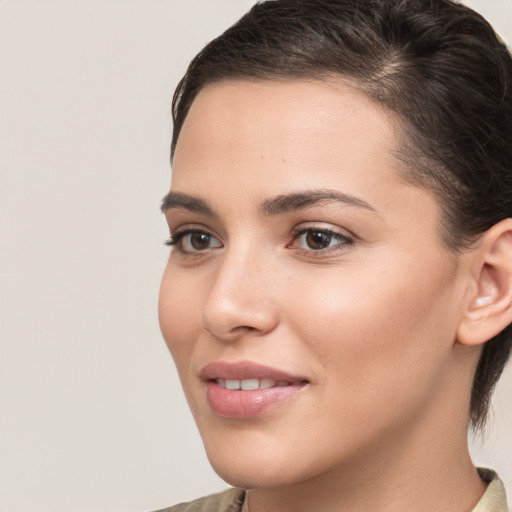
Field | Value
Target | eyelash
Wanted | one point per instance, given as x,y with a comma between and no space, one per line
343,241
177,239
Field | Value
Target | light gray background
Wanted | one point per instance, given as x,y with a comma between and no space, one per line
91,412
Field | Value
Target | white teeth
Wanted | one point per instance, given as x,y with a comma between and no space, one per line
232,384
267,383
249,384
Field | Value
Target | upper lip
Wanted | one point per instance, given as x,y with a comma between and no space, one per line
246,370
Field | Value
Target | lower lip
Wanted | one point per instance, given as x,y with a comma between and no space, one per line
247,404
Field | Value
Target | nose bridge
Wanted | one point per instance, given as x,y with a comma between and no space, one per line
240,300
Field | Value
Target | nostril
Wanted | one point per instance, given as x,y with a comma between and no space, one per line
243,328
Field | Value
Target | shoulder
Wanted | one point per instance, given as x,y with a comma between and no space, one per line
227,501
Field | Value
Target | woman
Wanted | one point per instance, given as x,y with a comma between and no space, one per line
338,296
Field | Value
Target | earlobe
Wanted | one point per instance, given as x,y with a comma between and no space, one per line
490,307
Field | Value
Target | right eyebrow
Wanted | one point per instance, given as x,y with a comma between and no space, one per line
176,200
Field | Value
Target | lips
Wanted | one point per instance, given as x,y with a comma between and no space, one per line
244,390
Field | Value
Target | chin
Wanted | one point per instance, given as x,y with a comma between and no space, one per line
258,462
255,475
245,464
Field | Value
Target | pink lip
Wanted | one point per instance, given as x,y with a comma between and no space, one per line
245,404
246,370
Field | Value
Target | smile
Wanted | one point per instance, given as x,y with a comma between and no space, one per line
245,390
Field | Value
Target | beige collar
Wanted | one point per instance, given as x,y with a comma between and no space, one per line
495,497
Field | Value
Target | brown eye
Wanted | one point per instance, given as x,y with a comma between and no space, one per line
200,241
194,241
317,240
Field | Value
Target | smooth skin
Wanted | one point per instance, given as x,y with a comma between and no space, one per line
355,292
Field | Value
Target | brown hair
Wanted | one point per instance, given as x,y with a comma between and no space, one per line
435,63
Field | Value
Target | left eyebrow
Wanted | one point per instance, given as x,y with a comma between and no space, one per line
298,201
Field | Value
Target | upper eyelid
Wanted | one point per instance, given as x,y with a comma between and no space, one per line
188,227
321,226
301,229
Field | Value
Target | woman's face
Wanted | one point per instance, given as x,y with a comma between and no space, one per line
306,271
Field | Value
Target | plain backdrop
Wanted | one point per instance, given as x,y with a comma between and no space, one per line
92,416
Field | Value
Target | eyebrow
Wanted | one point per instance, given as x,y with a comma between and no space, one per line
284,203
298,201
177,200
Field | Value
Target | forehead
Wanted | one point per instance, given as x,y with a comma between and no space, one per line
261,139
296,122
293,107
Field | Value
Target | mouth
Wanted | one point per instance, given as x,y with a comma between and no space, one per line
245,390
251,384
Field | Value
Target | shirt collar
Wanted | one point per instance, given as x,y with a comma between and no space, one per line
495,497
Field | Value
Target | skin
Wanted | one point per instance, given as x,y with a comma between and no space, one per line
371,320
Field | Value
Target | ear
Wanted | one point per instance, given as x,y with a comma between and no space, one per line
490,306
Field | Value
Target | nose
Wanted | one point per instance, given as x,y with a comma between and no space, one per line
241,301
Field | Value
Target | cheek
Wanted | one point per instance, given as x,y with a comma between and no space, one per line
179,316
376,330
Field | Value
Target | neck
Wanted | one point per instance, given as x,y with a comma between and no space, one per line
423,471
